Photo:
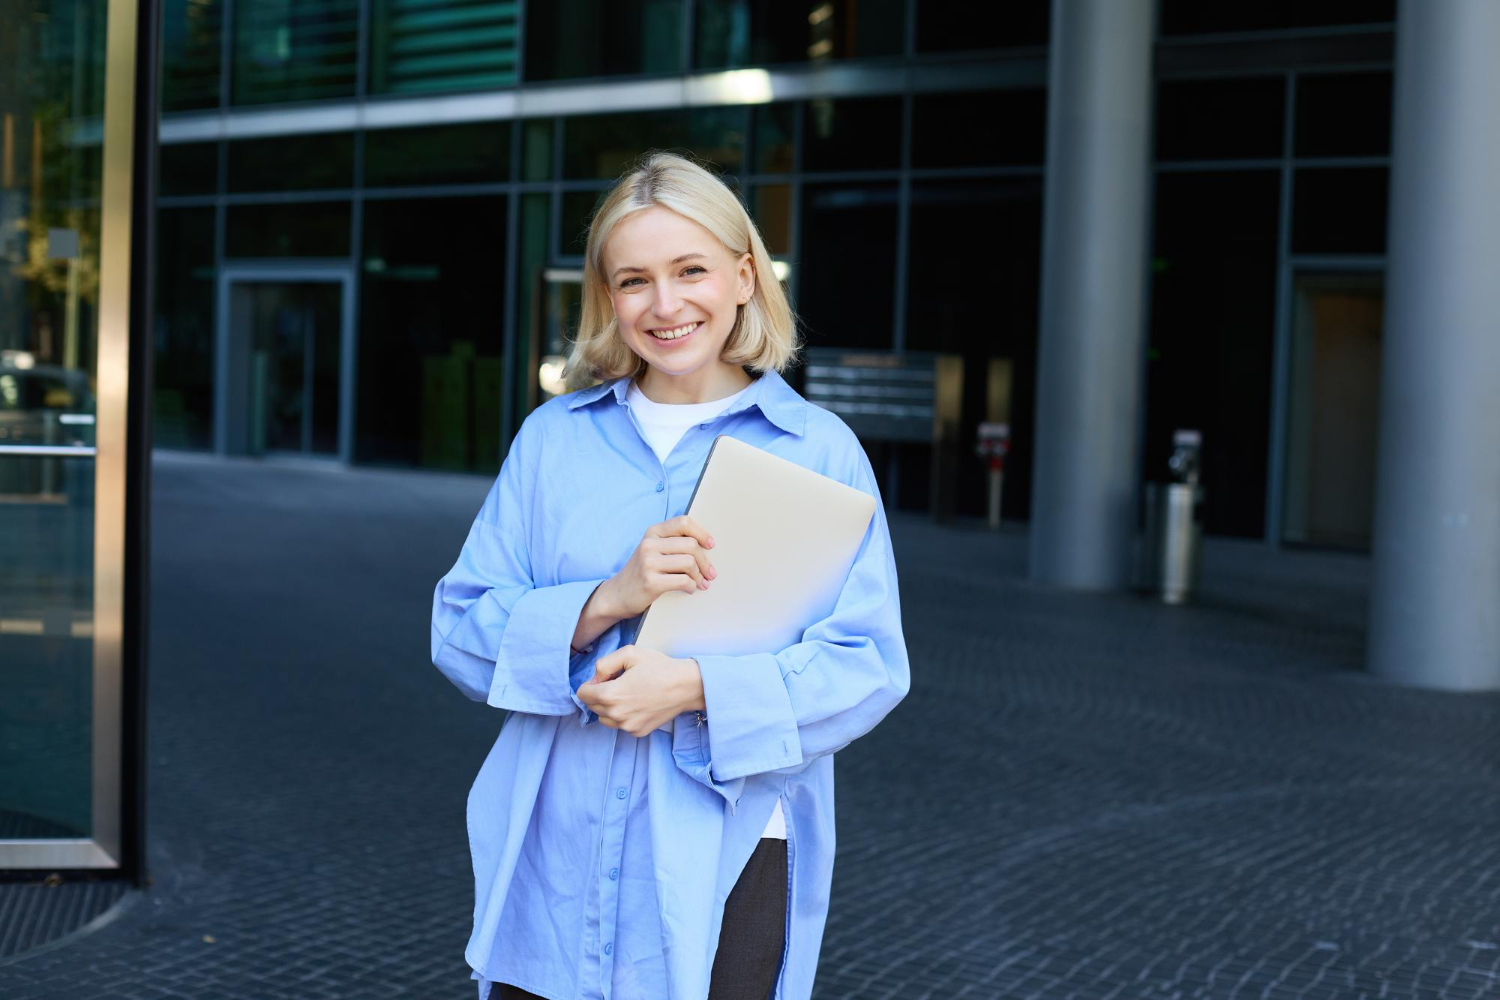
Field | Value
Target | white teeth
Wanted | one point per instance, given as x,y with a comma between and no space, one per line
674,333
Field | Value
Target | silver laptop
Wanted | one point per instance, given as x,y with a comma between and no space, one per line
785,538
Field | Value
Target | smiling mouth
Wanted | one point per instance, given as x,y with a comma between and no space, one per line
676,332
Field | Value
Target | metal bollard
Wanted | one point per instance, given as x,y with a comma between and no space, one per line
994,444
1174,532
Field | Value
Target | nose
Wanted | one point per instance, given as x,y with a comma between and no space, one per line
668,303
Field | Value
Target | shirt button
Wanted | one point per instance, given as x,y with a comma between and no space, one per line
608,948
620,793
660,487
614,873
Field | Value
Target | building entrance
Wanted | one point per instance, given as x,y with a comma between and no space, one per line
1333,409
286,368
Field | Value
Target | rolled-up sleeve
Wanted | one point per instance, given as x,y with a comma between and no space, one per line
769,711
499,638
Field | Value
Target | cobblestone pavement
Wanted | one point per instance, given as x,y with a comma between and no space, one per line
1084,796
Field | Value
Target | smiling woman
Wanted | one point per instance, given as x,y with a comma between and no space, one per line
652,826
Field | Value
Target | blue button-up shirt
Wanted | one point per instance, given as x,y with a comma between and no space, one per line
602,861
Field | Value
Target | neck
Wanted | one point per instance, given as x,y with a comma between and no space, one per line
701,386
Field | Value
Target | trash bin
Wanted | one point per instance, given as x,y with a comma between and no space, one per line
1174,531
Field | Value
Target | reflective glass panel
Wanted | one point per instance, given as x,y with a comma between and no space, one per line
577,208
51,84
188,168
431,334
852,134
285,51
951,25
775,137
847,285
290,229
1339,211
979,129
418,46
190,53
536,149
603,145
440,154
183,334
733,33
1188,17
1240,118
291,163
1343,114
569,39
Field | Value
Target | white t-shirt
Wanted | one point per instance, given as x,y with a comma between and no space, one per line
664,424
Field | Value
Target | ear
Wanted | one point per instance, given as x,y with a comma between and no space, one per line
746,275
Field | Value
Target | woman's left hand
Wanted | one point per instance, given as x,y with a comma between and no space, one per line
642,690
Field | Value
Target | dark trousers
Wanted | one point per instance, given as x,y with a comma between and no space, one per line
752,934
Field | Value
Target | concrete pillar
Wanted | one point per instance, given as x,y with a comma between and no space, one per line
1084,492
1435,603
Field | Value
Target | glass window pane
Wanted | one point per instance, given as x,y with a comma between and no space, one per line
759,32
536,149
577,208
1191,17
441,154
603,145
535,250
420,46
1220,119
772,210
51,81
953,228
291,163
857,134
775,137
1339,211
431,334
1213,320
846,288
294,229
294,52
979,129
1344,114
950,25
568,39
190,50
183,335
188,168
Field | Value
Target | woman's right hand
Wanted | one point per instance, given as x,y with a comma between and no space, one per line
672,555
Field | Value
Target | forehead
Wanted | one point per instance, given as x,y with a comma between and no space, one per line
656,235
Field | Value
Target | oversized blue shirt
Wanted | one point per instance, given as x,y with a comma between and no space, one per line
602,861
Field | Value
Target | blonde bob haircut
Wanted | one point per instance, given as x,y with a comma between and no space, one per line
764,335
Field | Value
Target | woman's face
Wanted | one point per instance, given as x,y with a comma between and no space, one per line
676,289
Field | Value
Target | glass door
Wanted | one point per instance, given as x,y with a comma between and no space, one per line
287,372
1333,409
65,373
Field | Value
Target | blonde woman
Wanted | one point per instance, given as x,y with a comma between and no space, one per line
648,826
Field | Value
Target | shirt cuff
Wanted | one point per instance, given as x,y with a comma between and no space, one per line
751,725
690,751
536,658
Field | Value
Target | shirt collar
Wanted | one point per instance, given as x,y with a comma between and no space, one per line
778,401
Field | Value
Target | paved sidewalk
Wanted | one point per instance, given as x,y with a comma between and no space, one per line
1086,796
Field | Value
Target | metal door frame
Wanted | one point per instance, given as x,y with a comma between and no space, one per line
340,272
1292,268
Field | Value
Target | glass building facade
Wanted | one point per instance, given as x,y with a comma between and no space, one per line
371,218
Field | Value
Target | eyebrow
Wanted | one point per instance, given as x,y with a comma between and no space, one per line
675,260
